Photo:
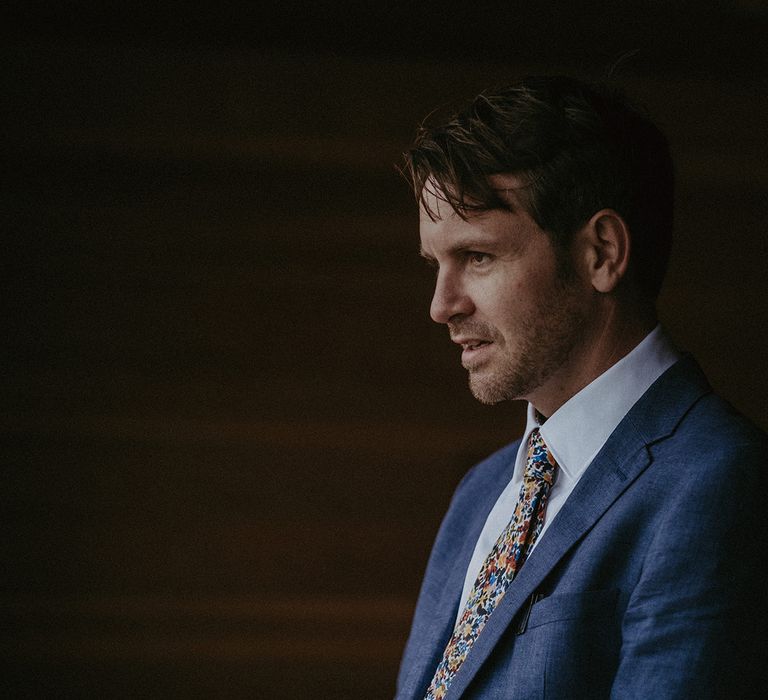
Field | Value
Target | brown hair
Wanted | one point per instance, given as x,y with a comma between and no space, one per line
578,148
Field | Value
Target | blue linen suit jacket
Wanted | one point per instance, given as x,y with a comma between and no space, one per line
647,582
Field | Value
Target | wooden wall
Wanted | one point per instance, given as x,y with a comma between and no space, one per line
230,428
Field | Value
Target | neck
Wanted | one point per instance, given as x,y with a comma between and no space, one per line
611,337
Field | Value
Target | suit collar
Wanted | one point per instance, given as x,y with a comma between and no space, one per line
623,458
577,431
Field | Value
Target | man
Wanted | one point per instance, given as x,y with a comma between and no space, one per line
613,551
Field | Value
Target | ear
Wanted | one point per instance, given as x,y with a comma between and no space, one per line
605,245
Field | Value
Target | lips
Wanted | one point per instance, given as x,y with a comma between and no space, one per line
469,343
474,344
473,351
476,341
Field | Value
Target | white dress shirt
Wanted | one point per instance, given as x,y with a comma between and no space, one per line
575,433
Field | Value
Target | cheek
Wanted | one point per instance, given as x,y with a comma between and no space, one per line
503,302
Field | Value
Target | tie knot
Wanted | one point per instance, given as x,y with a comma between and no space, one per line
541,464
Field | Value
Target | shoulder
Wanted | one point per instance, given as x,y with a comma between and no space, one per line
472,500
683,421
711,474
494,470
714,434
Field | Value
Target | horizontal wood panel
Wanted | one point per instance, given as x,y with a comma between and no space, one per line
352,628
218,104
277,647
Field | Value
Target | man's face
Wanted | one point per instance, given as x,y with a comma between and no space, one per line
504,298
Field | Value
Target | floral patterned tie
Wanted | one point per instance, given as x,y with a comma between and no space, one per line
501,565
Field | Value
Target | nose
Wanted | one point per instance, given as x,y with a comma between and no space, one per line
449,299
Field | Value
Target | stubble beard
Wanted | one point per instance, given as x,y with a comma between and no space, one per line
544,344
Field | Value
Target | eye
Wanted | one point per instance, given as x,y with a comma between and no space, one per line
477,258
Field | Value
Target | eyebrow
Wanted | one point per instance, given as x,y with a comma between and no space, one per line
464,245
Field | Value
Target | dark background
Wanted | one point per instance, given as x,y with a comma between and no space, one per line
229,427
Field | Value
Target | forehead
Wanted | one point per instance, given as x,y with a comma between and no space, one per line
496,231
433,205
435,201
508,187
440,224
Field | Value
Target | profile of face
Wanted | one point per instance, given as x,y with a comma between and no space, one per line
502,292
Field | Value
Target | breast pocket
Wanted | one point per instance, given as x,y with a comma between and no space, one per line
586,605
581,633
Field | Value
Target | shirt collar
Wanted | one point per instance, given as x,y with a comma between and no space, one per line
577,431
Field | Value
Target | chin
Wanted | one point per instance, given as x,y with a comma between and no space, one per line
491,390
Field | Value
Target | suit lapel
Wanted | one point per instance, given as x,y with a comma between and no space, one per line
623,458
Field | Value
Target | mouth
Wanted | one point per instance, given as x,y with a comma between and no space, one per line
473,351
475,344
